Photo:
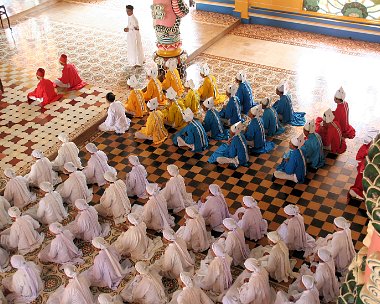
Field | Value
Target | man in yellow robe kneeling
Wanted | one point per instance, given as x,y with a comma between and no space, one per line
174,112
172,78
135,104
154,87
192,98
209,87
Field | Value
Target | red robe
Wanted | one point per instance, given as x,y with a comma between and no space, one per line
360,157
70,75
341,116
46,90
331,136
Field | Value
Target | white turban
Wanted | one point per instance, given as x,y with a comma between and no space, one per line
340,94
46,187
152,188
90,147
192,212
110,176
341,222
328,116
152,72
171,64
237,127
324,254
169,235
63,137
298,141
81,204
291,210
171,93
99,243
232,89
252,265
173,170
281,88
141,267
133,219
209,103
217,249
105,298
14,212
37,154
10,173
188,115
265,101
310,126
18,261
241,76
205,70
186,279
132,81
273,236
308,281
134,160
214,189
189,84
55,228
70,270
229,223
249,201
257,110
152,104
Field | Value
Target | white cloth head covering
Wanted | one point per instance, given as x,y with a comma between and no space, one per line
55,228
70,271
232,89
132,81
171,64
152,72
281,87
218,249
298,140
152,188
169,235
46,187
133,219
310,126
273,236
367,139
10,173
134,160
99,243
37,154
173,170
18,261
191,211
63,137
90,147
257,110
324,254
229,223
110,176
265,101
209,103
70,167
249,201
189,84
188,115
294,141
237,127
252,264
141,267
214,189
341,222
308,281
14,212
152,104
205,70
105,298
291,209
186,279
241,76
328,116
81,204
340,94
171,93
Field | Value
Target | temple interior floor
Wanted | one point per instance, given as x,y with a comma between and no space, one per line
314,66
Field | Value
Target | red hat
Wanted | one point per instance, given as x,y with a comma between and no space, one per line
63,59
40,72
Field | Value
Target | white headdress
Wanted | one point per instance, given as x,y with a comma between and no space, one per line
14,212
132,81
70,270
63,137
237,127
81,204
324,254
281,87
134,160
252,264
173,170
171,64
169,235
340,94
328,116
205,70
99,243
188,115
141,267
191,211
90,147
152,188
133,219
257,110
46,187
70,167
171,93
186,279
229,223
265,101
241,76
273,236
37,154
152,104
189,84
55,228
341,222
310,126
249,201
209,103
308,281
291,210
232,89
110,176
152,72
10,173
214,189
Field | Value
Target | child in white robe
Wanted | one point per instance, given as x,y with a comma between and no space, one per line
25,284
22,235
175,191
105,298
61,250
68,152
4,261
136,180
17,191
97,165
5,220
114,201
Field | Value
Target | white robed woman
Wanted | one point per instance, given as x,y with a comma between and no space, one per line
17,191
68,152
135,52
136,180
5,220
105,298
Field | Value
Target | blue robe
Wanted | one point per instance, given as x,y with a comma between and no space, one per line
271,122
213,124
313,150
237,147
284,107
256,133
232,111
193,134
295,165
245,95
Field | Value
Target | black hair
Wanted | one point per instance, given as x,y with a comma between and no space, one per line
110,97
130,7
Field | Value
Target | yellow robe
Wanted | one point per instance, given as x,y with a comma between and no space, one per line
155,127
173,114
210,89
136,103
192,101
173,80
154,90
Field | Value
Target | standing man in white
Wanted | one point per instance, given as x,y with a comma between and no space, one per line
135,52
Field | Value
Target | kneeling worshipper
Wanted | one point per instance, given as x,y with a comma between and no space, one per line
4,262
176,258
309,295
75,186
212,122
97,165
341,114
172,78
339,244
70,78
251,286
154,128
61,250
231,112
244,92
106,270
145,288
292,231
154,87
313,147
250,219
209,87
193,135
86,223
234,244
194,232
331,133
25,284
235,151
5,220
17,191
22,235
175,192
135,104
45,92
76,291
68,152
255,133
116,120
114,201
324,275
271,122
284,108
293,168
136,180
191,99
41,171
134,242
155,211
105,298
173,113
213,208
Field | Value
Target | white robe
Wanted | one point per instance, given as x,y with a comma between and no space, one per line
310,296
25,284
252,223
115,202
136,181
236,247
326,281
214,211
68,152
116,119
190,295
135,52
96,167
176,195
17,192
4,261
22,235
75,187
5,219
135,243
155,213
42,171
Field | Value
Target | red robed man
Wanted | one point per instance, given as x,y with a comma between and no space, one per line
45,92
341,114
70,78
